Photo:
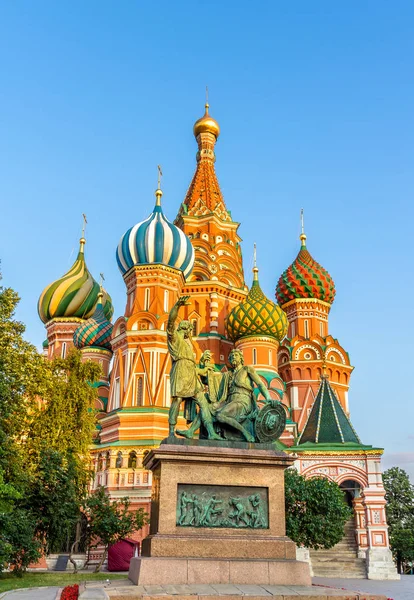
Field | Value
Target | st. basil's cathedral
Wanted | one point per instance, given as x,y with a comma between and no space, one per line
288,342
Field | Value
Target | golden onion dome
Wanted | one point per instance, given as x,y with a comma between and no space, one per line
206,124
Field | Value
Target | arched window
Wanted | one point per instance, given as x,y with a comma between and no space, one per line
166,301
195,328
147,298
63,354
321,329
254,356
100,462
108,460
306,328
119,460
270,357
139,394
132,460
293,329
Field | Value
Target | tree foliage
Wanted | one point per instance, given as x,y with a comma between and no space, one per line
316,511
54,497
399,494
111,520
65,420
47,421
24,375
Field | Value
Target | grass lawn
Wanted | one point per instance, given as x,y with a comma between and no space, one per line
8,581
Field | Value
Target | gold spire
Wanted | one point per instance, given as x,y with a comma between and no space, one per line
158,192
82,241
255,268
206,124
302,236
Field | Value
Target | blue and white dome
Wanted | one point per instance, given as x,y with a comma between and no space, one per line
155,241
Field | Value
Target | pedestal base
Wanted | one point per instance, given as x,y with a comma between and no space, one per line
217,516
190,571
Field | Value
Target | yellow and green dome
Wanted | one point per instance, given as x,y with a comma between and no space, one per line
256,316
74,295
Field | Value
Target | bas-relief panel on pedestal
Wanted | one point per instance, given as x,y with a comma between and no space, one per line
228,506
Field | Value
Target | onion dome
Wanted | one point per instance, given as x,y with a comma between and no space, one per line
305,278
96,331
256,316
155,241
206,124
74,295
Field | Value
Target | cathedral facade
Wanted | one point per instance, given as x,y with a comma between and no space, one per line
288,342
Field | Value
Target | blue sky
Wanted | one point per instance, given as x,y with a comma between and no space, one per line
314,100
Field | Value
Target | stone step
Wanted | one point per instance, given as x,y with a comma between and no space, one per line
329,573
338,556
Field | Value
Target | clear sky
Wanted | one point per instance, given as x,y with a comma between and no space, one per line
315,103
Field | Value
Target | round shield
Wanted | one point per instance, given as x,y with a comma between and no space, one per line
270,423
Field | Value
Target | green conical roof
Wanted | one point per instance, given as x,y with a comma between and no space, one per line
327,422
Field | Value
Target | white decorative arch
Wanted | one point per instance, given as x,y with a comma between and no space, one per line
310,347
335,351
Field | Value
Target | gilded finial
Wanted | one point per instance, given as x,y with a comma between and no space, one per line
255,268
324,375
206,124
302,236
83,240
158,192
102,279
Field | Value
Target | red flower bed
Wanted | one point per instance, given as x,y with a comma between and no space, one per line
70,592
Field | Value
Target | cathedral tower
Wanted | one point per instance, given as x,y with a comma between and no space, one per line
306,292
217,281
69,301
93,339
154,258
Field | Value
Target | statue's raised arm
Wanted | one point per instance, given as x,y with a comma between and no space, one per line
172,317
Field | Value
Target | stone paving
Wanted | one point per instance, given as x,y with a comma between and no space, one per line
222,591
41,593
397,590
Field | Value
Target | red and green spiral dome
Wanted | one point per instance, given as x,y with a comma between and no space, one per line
305,278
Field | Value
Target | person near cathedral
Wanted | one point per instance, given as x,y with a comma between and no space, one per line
236,404
185,374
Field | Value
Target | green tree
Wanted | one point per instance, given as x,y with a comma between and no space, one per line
54,497
57,446
111,521
65,420
24,374
399,494
316,511
8,496
19,545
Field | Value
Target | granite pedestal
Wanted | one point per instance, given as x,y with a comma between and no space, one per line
240,540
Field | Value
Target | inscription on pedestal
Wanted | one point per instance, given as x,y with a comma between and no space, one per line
228,506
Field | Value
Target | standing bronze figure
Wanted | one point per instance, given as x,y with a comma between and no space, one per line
185,375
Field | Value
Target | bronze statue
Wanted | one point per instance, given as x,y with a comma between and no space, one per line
184,376
215,402
237,406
